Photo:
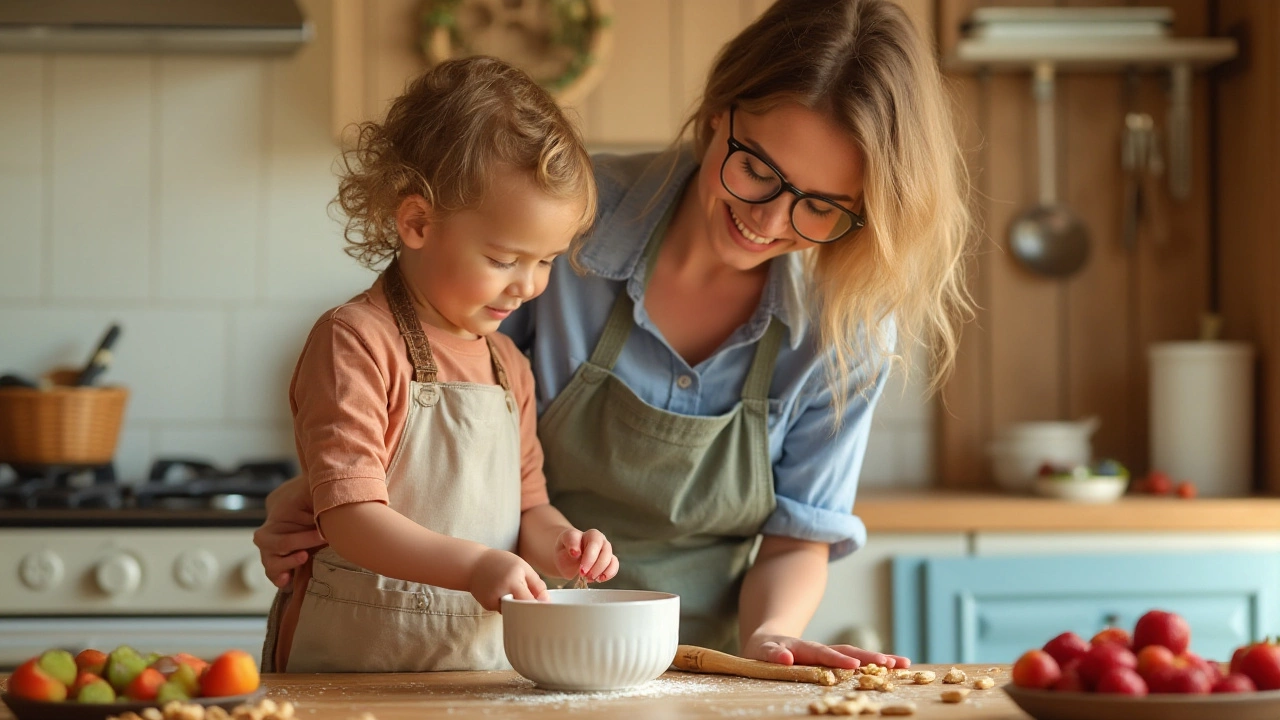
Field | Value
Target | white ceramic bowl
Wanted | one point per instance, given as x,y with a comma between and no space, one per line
1092,489
592,640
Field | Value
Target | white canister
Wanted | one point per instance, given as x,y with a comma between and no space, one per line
1202,415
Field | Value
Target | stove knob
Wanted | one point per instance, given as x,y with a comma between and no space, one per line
41,570
119,574
196,569
253,576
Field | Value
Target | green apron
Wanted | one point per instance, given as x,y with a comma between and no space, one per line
681,498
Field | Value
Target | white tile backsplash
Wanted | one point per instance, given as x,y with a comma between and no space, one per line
22,175
187,197
266,343
212,135
102,185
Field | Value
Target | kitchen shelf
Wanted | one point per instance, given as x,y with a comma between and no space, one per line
1089,54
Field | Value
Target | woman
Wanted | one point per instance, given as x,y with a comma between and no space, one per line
707,383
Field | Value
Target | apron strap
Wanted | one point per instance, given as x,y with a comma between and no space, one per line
424,363
499,371
760,376
622,316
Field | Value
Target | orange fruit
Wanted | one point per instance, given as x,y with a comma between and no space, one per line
234,672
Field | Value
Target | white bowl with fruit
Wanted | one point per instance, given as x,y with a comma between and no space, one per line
1103,482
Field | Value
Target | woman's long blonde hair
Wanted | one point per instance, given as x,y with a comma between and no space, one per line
862,62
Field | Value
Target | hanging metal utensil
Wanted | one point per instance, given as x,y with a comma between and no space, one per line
1048,239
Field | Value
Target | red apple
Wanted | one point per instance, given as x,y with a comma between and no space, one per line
31,682
1036,669
1186,489
1211,669
1234,683
1116,635
91,661
1261,663
1187,680
1159,627
1152,658
1102,658
1070,680
1122,681
1066,647
1159,483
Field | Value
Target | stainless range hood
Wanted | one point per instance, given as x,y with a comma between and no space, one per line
202,26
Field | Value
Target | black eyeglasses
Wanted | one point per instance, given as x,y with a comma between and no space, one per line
752,179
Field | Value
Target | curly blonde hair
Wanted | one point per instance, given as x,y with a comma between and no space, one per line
862,63
443,138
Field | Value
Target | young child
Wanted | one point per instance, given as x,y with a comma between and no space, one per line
414,420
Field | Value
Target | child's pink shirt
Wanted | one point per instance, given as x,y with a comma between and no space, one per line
350,400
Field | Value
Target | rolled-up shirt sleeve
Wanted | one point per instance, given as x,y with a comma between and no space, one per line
816,477
340,418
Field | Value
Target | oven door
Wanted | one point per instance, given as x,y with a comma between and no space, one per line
205,637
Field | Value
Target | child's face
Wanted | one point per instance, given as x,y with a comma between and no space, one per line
473,268
812,151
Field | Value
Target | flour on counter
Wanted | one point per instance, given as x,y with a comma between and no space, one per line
524,692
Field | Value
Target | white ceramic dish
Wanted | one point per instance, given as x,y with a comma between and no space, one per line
592,640
1092,489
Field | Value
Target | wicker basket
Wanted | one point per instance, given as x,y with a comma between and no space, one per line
60,425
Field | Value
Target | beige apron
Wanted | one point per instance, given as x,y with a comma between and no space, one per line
457,472
681,497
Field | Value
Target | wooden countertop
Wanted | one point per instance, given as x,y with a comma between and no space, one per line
952,511
674,696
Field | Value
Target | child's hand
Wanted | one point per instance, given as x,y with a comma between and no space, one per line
586,553
498,573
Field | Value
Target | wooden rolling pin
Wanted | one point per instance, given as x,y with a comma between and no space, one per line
691,658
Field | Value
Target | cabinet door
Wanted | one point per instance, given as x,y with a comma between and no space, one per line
992,609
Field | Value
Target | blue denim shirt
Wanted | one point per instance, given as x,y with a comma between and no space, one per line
815,471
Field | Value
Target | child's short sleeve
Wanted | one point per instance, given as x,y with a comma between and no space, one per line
340,417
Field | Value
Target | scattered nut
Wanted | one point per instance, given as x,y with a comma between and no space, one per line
903,674
956,695
817,707
844,674
954,676
899,709
924,677
847,707
831,700
151,713
871,708
993,670
984,683
874,669
887,687
870,682
214,712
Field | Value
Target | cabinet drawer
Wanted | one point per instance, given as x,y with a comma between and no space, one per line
991,609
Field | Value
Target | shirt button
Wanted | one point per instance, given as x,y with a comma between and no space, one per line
684,381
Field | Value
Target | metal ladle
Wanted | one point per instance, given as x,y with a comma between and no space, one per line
1048,239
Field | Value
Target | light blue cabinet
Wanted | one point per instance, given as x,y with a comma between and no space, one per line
992,609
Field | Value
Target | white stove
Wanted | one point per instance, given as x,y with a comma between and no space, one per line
167,565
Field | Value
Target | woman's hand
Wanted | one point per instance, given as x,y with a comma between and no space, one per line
585,553
499,573
289,533
794,651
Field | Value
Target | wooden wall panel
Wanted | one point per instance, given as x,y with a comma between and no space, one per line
1048,349
1248,163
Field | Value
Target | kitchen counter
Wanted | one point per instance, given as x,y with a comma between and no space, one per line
674,696
953,511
